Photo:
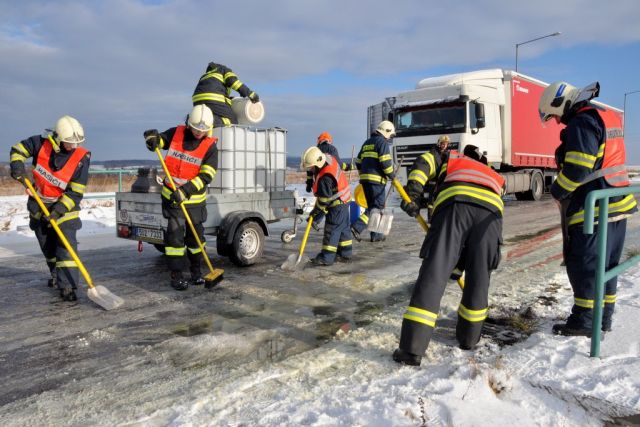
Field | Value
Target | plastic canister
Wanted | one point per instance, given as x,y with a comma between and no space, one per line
354,211
248,113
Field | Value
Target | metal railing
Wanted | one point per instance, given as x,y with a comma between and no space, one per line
118,172
602,276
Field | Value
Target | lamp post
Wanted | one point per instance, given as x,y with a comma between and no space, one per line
557,33
624,108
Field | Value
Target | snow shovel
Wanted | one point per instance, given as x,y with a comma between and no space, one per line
98,294
215,275
380,220
293,261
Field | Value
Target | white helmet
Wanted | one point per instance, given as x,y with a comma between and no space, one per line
312,156
386,129
201,118
69,130
556,100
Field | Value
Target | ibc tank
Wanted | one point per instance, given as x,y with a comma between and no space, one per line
248,113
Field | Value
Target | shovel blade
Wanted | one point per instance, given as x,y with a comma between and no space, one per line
295,262
105,299
380,221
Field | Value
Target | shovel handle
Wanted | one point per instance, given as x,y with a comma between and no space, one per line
185,212
61,235
305,237
407,199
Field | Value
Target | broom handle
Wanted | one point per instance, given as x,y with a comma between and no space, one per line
184,211
61,235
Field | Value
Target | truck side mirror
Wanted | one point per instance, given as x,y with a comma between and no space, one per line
480,123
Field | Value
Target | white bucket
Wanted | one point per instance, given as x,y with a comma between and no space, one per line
248,113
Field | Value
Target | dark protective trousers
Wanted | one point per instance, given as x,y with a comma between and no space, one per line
223,115
337,235
374,193
61,264
581,261
179,242
454,228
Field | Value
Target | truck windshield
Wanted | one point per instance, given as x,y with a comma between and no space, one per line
431,119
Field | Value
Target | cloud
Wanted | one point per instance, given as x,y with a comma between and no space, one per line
123,66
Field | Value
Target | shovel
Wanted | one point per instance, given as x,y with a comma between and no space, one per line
215,275
98,294
380,219
293,261
421,221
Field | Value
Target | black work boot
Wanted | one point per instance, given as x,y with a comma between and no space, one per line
52,283
567,331
178,282
196,278
356,234
406,358
68,294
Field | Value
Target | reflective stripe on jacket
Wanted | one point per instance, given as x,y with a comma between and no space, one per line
51,184
185,165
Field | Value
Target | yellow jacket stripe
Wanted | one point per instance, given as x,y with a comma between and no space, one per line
566,183
580,159
373,178
473,192
622,206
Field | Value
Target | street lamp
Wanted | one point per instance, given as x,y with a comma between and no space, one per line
624,117
557,33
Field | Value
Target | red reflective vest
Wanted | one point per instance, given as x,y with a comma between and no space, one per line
332,168
461,168
51,184
613,169
184,165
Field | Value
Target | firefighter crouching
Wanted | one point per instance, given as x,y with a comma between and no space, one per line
375,167
192,161
467,215
331,188
591,157
60,174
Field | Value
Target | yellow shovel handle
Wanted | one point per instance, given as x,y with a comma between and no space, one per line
407,199
64,240
305,237
184,211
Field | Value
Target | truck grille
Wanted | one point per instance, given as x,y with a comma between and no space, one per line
405,155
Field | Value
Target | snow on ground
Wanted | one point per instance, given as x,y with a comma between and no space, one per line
544,380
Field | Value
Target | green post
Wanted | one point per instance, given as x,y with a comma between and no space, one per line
120,181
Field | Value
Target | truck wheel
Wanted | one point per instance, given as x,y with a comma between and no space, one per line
159,247
287,236
537,187
248,243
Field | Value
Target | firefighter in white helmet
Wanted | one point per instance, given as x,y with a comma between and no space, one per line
331,188
590,157
192,160
60,175
375,167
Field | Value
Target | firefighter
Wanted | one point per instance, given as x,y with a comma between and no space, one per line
467,216
325,144
592,156
375,166
214,91
60,174
331,188
192,161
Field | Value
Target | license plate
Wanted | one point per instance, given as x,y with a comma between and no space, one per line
153,234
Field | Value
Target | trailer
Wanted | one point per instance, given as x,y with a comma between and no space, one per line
495,110
247,194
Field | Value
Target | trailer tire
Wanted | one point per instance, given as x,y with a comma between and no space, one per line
159,247
537,187
287,236
248,244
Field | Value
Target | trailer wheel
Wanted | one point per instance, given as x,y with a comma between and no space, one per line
287,236
159,247
247,245
537,187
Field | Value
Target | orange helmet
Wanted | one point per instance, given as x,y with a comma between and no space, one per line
325,136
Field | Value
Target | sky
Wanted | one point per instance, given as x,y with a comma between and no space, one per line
123,66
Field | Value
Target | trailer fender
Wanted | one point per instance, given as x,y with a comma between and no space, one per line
230,224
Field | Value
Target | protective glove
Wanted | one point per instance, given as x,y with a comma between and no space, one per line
18,172
152,139
411,208
392,176
309,187
177,197
253,97
315,212
56,211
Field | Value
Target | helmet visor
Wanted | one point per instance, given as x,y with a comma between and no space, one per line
200,127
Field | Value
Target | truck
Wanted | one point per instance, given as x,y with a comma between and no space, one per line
247,194
495,110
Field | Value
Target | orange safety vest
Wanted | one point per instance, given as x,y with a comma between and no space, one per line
461,168
184,165
332,168
51,184
613,169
